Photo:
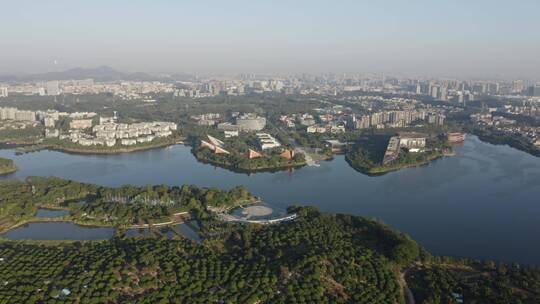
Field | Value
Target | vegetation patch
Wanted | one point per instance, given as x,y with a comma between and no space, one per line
7,166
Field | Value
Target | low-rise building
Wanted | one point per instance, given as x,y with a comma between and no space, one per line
80,124
229,134
392,150
267,141
412,141
128,142
52,133
250,122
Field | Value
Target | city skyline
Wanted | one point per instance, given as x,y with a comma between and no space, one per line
484,39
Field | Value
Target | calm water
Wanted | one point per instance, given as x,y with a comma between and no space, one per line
58,231
482,203
71,231
183,229
51,213
139,232
188,232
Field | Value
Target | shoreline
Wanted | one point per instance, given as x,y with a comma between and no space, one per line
68,219
249,170
380,172
506,141
7,166
83,151
9,171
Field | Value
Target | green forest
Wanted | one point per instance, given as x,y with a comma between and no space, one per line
123,206
319,258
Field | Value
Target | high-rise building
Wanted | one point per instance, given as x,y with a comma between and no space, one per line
25,115
517,86
443,94
7,113
534,90
16,114
434,92
363,122
493,88
3,92
52,88
459,97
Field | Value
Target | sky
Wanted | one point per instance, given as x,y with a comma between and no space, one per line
448,38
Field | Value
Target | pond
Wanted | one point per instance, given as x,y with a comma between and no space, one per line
58,231
42,212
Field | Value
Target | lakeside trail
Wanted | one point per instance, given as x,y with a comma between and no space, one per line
177,218
407,293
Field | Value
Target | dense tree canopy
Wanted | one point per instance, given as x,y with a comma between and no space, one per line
19,201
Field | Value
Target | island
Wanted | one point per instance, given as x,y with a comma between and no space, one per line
313,257
7,166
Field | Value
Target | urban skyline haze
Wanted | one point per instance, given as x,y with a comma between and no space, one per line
491,39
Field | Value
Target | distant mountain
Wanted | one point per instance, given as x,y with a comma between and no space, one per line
102,73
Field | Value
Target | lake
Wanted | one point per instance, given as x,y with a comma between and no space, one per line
482,203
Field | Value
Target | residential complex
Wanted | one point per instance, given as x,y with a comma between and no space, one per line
111,134
84,131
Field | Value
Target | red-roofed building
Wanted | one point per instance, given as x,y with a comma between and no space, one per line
288,154
251,154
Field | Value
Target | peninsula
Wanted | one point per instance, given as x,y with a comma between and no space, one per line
382,153
7,166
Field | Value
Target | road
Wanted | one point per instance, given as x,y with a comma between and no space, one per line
309,160
409,297
298,149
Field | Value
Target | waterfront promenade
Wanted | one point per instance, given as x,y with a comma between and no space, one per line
233,218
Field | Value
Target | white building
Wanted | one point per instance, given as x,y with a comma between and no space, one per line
52,88
267,141
3,92
49,122
229,134
80,124
128,142
52,133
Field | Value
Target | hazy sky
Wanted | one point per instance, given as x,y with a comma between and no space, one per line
474,38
